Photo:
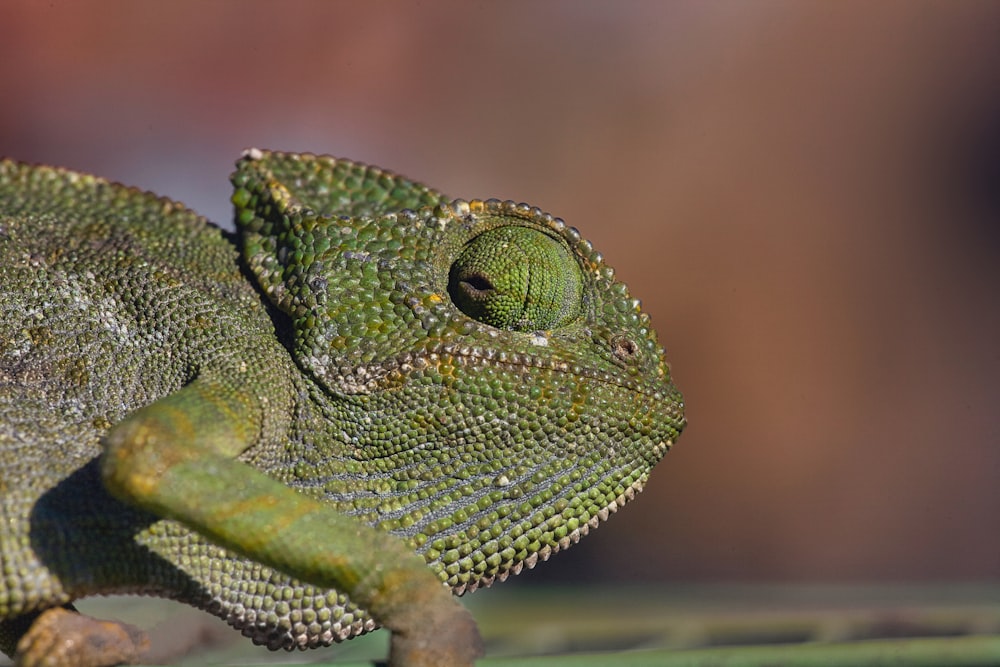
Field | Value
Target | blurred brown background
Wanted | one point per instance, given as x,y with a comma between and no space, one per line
804,194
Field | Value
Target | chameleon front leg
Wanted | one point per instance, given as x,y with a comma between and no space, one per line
175,458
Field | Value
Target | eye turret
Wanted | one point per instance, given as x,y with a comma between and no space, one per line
517,278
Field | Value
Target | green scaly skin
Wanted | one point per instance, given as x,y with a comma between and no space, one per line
306,428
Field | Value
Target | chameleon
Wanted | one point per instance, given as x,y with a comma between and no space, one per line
366,400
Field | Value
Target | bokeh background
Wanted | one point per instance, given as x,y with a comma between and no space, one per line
804,194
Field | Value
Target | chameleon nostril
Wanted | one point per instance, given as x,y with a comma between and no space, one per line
624,347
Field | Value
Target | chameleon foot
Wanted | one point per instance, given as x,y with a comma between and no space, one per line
63,638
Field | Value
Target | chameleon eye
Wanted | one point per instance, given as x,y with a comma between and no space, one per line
516,278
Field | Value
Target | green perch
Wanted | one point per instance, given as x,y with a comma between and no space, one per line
367,398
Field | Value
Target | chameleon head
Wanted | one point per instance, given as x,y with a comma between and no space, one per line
499,390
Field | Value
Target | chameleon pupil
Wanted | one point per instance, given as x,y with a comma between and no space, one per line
476,284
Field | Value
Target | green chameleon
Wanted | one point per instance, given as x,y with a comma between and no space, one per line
367,398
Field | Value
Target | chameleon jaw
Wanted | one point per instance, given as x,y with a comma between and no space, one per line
564,543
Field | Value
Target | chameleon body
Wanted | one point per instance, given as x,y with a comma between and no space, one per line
367,397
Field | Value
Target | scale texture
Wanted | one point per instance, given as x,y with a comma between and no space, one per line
308,426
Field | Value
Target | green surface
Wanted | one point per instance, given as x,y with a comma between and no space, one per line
951,652
651,625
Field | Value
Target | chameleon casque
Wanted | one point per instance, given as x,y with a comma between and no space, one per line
367,398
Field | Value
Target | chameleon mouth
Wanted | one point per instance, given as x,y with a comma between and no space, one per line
566,542
366,379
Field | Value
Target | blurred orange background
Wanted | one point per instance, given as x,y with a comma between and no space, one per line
804,194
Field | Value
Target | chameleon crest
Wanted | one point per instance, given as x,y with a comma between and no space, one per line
306,427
